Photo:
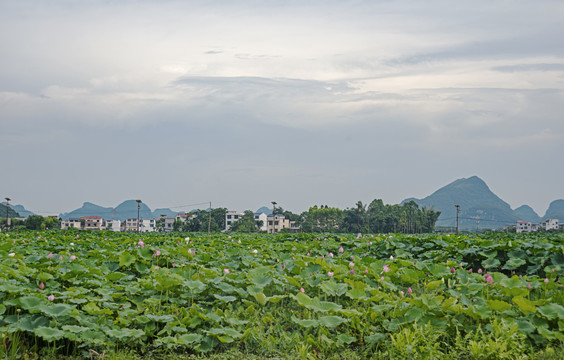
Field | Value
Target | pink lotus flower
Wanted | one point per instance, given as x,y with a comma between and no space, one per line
72,257
61,257
469,271
330,255
42,286
141,243
226,271
366,271
486,266
50,255
386,268
382,278
370,243
157,267
51,297
409,291
302,290
546,280
452,270
330,274
341,249
308,254
351,264
229,237
529,286
173,264
283,266
402,293
480,271
158,252
352,272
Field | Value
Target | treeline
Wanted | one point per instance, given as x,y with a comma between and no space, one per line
33,222
377,217
374,218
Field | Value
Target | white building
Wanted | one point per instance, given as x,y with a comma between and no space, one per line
70,224
261,217
113,225
275,223
230,217
147,225
550,224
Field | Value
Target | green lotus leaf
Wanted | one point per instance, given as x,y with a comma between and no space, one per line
30,323
225,299
115,276
49,333
498,305
514,263
345,339
126,259
56,310
260,298
334,289
525,326
491,263
552,311
307,323
2,309
189,338
74,328
374,338
524,304
30,303
332,321
125,333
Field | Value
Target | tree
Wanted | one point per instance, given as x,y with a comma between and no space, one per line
246,223
34,222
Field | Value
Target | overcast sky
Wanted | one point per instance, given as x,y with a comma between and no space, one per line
301,102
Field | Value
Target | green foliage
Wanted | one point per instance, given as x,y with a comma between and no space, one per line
283,295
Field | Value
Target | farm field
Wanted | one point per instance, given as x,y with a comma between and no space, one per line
162,295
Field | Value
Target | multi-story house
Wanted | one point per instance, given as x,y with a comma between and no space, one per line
92,222
112,225
262,217
231,216
550,224
147,225
275,223
70,224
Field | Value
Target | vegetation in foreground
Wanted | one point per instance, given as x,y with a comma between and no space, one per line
76,295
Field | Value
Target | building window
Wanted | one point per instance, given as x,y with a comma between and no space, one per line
229,216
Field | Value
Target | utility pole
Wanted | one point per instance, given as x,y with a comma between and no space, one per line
209,220
7,210
273,217
358,216
457,212
138,208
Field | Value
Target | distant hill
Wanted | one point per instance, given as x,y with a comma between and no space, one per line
11,212
125,210
88,209
526,213
23,213
265,210
555,211
158,212
479,206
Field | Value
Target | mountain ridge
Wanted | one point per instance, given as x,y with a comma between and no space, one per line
480,208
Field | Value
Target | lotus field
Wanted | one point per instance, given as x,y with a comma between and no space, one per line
482,296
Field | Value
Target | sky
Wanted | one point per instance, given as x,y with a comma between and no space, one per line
300,102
